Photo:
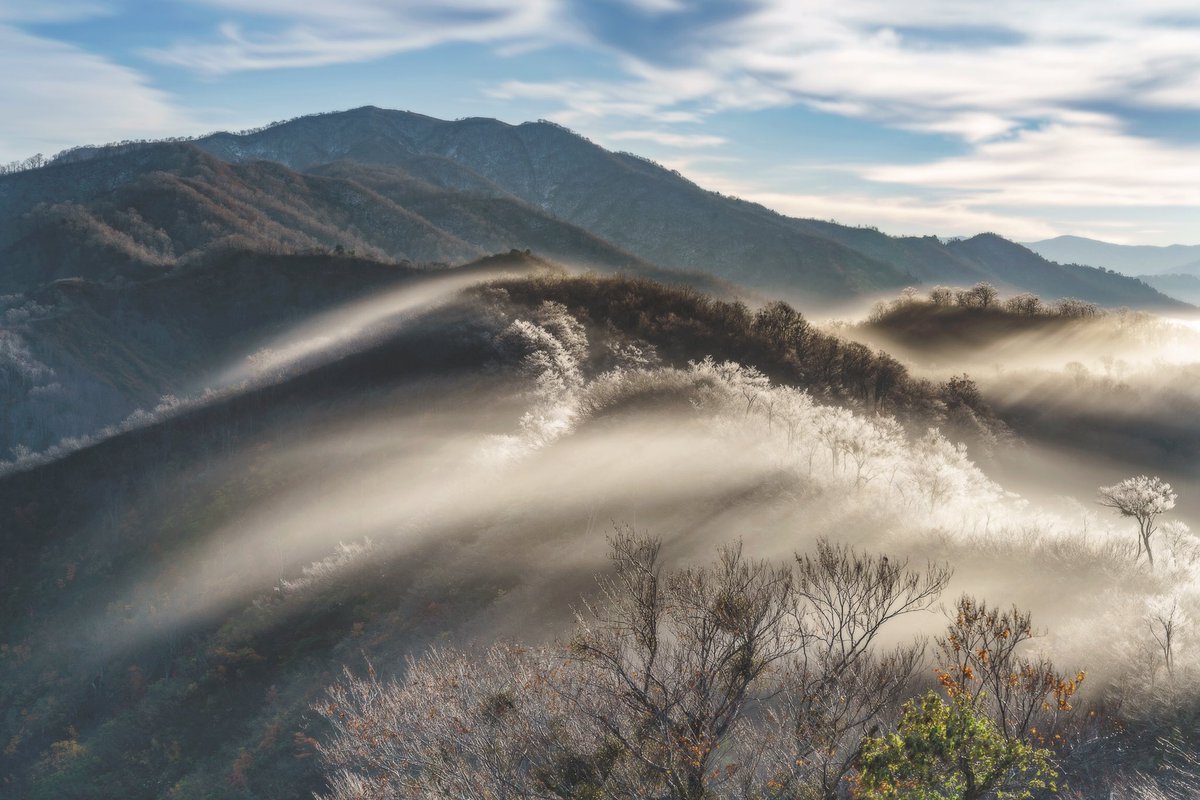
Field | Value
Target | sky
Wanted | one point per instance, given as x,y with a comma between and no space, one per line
949,117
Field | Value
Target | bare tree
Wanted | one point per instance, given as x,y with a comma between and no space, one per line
1076,309
981,295
1144,499
1165,622
680,657
941,296
841,686
1025,304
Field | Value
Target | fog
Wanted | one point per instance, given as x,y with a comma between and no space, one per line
512,477
349,327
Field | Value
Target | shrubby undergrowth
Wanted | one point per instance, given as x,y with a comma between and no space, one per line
933,501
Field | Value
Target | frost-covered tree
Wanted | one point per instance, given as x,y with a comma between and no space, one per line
981,295
939,468
1143,498
941,296
549,350
1025,303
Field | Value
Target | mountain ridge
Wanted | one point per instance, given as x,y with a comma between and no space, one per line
638,207
1132,259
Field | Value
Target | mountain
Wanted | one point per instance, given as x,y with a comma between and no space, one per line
138,213
461,176
416,440
80,354
1011,265
1183,286
1129,259
645,209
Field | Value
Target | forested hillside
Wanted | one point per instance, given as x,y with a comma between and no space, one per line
491,186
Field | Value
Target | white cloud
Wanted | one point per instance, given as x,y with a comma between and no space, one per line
668,138
657,6
321,33
938,65
905,215
54,95
908,215
1083,160
581,102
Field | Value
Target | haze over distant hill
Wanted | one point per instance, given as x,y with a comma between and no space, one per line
1183,286
390,179
1129,259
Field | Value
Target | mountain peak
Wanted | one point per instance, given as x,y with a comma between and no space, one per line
398,184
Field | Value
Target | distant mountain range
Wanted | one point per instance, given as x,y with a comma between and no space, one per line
1178,259
399,185
1183,286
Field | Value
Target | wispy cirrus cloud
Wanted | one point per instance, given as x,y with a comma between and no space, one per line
313,34
905,213
966,69
55,95
1077,160
671,139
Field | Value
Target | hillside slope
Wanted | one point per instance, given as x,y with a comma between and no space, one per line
647,210
1183,286
78,355
1015,267
136,213
660,215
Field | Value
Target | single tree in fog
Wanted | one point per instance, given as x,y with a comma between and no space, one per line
1165,620
841,685
676,658
1144,499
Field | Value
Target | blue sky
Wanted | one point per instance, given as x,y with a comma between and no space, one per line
1027,118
